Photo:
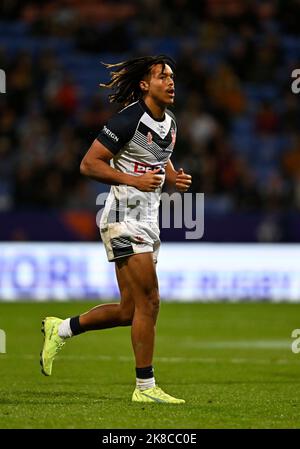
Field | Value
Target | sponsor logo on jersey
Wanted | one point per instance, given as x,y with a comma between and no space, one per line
140,167
110,134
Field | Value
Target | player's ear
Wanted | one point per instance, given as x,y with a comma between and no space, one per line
144,86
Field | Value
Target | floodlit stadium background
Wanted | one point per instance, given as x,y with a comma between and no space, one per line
238,136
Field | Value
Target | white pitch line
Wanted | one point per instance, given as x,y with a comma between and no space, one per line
208,360
242,344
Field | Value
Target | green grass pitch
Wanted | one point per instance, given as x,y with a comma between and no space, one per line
231,362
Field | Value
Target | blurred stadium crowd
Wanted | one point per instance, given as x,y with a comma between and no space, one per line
239,122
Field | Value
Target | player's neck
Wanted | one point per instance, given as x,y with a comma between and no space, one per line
157,110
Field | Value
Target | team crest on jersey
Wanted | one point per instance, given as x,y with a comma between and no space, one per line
173,134
149,138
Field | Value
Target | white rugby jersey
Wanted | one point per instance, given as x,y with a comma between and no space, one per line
139,143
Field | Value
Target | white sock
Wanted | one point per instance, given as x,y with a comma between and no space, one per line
144,384
64,330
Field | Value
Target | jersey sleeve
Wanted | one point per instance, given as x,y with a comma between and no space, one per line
117,132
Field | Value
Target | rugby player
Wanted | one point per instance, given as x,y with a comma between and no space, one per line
132,154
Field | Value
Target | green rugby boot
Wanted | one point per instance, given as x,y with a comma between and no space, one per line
154,394
52,343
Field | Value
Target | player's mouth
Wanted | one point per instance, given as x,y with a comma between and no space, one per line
171,92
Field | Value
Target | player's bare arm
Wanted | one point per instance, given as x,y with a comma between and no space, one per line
178,179
96,165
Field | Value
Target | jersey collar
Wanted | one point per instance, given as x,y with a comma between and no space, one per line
146,109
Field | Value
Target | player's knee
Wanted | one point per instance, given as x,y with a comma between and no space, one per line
151,302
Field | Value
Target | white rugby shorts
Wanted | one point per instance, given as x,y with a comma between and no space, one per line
125,238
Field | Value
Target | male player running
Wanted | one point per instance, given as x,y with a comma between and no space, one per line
132,153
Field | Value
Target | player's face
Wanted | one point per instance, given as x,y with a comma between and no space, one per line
161,84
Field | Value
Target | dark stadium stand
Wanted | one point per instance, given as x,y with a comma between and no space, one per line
238,119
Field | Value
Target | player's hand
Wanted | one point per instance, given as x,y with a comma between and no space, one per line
183,181
149,181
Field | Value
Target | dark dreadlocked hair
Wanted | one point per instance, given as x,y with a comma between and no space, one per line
126,76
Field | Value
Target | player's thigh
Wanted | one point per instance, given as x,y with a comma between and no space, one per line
138,275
